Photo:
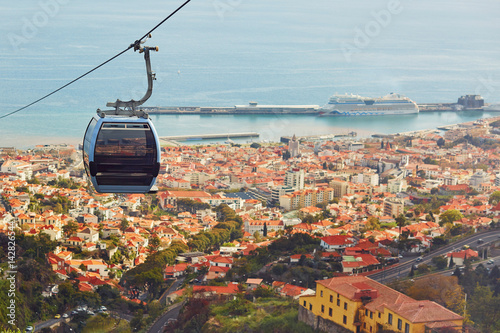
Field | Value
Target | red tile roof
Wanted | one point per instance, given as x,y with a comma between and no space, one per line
354,287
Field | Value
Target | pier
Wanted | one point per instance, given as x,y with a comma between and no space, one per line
209,136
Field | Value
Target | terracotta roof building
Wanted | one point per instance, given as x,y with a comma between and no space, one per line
360,304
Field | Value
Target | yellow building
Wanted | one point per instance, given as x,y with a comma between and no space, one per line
360,304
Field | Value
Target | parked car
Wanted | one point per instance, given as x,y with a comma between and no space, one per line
491,262
29,329
57,316
419,259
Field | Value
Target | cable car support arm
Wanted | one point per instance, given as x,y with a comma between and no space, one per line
129,108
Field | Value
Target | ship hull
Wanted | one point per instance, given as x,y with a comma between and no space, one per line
355,105
360,112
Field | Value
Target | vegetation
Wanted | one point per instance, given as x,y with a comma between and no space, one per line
149,275
481,285
64,183
273,315
104,324
450,216
191,206
443,290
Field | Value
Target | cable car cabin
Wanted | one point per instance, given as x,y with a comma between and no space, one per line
121,154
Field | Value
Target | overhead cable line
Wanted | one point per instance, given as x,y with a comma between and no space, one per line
135,46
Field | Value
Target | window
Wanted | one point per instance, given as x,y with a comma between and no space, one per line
407,328
338,302
366,312
331,298
345,305
310,307
330,312
321,293
344,320
379,314
322,308
371,315
389,319
305,303
400,324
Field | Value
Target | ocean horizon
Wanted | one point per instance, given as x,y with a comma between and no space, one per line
228,52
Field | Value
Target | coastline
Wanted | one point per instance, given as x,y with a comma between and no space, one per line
28,142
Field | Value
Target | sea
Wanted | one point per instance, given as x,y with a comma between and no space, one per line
231,52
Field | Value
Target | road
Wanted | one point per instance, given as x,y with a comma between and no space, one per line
172,313
449,272
175,286
403,268
48,323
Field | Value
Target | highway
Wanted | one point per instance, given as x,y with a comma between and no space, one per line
402,269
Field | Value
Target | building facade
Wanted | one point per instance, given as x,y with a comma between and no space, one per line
393,206
360,304
305,198
294,178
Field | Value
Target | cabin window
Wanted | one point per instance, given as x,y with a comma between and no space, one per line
389,319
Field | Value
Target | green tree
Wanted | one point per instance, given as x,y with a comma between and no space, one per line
440,262
124,224
138,321
70,228
412,271
483,308
154,243
452,263
255,145
450,216
494,198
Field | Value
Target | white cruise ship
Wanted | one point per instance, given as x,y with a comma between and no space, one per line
355,105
